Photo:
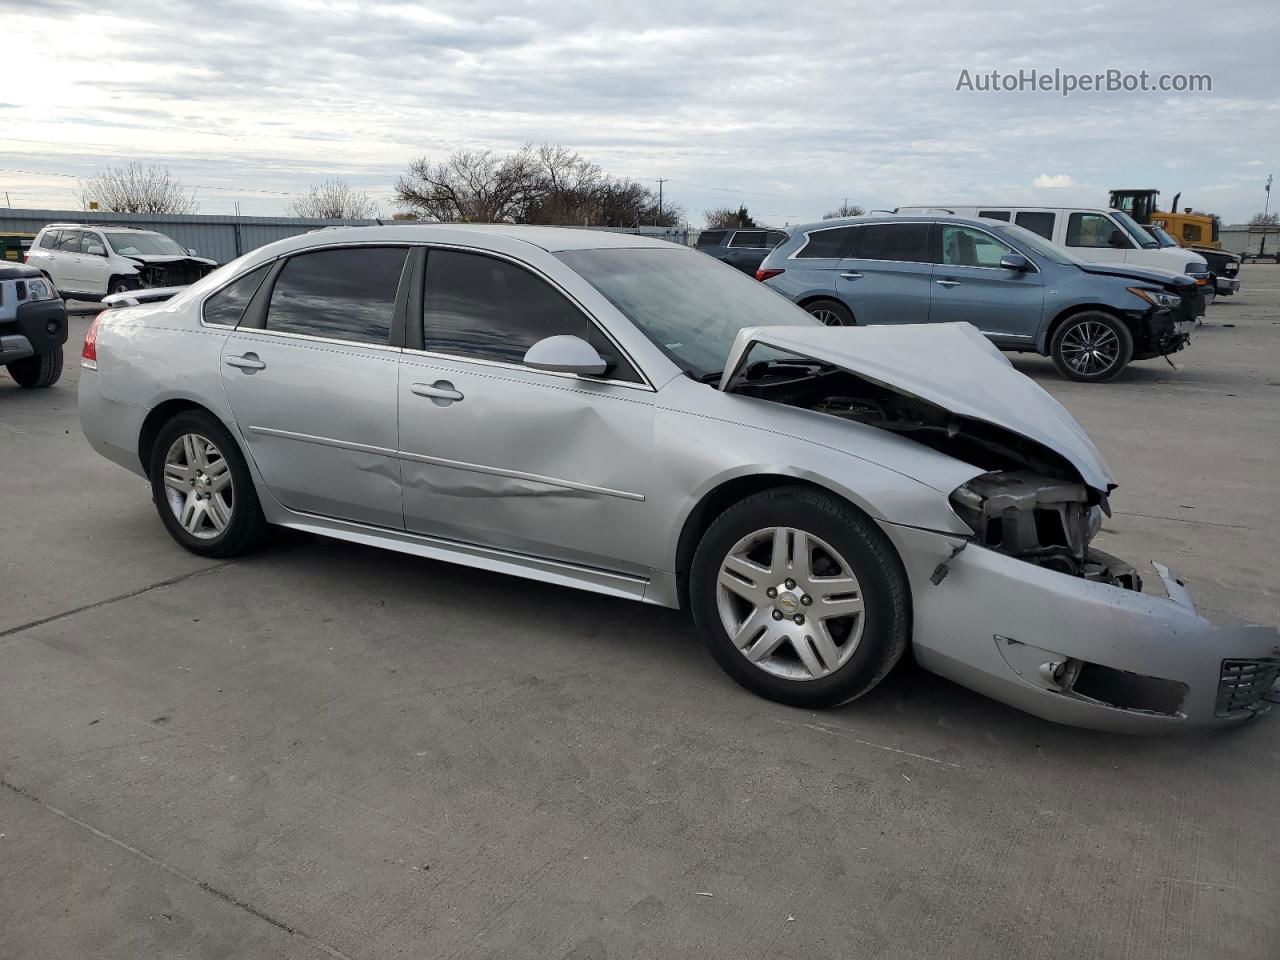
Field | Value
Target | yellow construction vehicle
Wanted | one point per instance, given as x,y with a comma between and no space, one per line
1195,231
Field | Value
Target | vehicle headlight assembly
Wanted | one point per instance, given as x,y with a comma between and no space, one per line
1157,297
39,288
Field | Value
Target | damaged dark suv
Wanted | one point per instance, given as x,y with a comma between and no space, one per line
90,262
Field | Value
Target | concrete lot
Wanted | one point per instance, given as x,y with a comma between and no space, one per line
331,750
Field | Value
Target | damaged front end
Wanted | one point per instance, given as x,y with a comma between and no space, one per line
174,272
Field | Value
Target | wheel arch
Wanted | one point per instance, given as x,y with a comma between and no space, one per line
155,420
1075,309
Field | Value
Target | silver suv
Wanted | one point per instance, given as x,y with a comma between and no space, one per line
90,262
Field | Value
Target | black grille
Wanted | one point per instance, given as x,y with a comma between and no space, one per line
1243,685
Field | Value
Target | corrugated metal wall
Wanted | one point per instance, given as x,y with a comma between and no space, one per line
218,238
1238,238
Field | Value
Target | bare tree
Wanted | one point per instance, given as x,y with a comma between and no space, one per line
471,185
725,217
334,200
1265,220
846,209
137,189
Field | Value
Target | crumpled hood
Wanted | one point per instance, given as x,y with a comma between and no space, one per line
951,365
159,260
1165,278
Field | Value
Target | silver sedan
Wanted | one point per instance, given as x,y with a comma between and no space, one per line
630,417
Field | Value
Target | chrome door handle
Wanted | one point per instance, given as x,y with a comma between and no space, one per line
851,276
441,393
947,283
249,361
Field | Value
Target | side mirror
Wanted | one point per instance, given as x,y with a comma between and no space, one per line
566,354
1015,261
96,250
192,251
1118,240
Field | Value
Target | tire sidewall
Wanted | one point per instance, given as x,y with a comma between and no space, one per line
874,562
1097,316
246,512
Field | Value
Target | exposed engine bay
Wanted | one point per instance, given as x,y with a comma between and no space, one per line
171,273
1030,504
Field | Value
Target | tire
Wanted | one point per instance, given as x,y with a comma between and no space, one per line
224,518
1091,347
851,653
832,313
39,370
121,285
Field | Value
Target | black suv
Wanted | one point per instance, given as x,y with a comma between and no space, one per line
743,248
33,326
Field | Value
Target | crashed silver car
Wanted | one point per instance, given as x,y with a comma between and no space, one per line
630,417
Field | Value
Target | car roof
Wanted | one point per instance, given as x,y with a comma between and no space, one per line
895,218
17,271
551,239
108,227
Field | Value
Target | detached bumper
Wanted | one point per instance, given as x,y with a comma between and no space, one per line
1078,652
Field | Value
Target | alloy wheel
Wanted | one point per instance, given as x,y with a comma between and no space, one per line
790,603
1090,348
827,318
198,486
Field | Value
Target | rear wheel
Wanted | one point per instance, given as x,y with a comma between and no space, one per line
202,487
801,597
832,313
1091,347
39,370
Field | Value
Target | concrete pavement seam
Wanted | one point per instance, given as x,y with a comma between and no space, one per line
174,871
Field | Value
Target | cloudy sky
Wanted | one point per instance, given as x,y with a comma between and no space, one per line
788,108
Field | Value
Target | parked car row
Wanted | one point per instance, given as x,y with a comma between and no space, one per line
626,416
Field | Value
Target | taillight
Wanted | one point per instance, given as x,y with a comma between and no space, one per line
90,351
763,274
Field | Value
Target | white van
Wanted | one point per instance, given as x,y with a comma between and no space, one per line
1093,235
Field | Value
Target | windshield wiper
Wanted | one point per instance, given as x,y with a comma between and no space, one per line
713,377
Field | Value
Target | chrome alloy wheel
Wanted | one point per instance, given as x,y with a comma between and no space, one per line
790,603
197,484
827,318
1090,348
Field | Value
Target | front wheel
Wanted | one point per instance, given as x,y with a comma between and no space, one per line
802,599
202,487
39,370
122,285
1091,347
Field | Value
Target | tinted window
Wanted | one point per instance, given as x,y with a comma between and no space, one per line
995,215
1041,223
226,306
491,309
346,294
50,239
748,238
1090,230
711,238
69,241
894,241
829,244
966,247
774,237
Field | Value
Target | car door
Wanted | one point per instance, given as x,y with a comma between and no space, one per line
67,262
887,276
504,456
310,375
95,267
970,286
1096,238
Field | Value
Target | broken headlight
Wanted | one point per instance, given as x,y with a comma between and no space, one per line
1040,519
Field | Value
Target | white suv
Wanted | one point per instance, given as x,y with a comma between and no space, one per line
90,262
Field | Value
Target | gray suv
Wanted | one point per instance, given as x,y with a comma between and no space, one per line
743,248
1023,292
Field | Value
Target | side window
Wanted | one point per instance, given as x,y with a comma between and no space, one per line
829,244
1089,230
69,241
774,237
748,238
489,309
711,238
93,245
1041,223
966,247
50,240
346,294
894,241
994,215
227,305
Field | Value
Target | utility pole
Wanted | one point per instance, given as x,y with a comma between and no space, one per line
1267,206
660,183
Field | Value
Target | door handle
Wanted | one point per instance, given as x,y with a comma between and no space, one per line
947,283
441,393
851,276
249,361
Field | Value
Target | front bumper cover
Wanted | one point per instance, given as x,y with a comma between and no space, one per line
1079,652
1227,286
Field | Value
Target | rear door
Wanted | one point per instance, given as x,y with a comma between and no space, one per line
888,275
311,378
67,262
970,286
747,248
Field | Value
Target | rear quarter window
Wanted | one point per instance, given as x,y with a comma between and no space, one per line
1039,223
226,306
711,238
831,244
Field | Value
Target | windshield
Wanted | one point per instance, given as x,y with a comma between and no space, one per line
144,244
1037,244
1139,234
1162,236
690,305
